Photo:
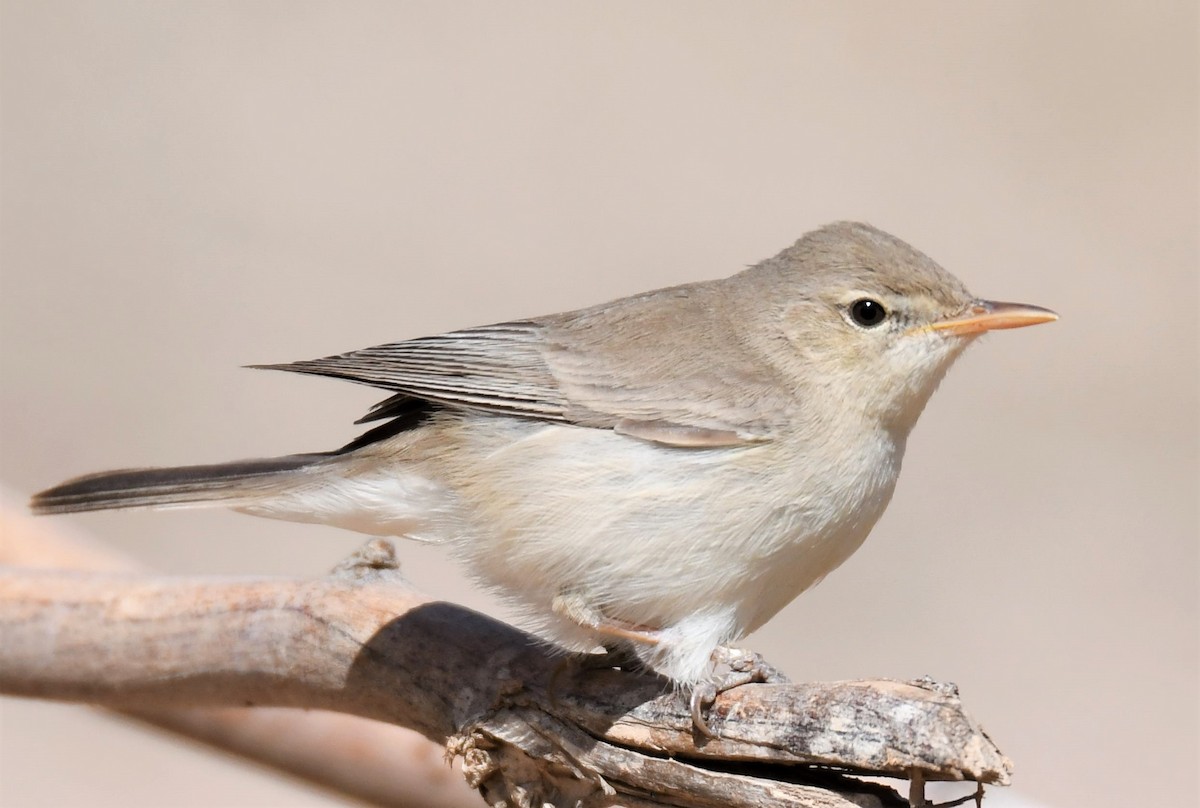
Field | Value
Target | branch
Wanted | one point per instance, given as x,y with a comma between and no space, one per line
531,727
378,763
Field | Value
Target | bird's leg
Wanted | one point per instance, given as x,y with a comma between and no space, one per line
744,667
574,607
620,654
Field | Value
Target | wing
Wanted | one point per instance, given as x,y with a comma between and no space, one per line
657,367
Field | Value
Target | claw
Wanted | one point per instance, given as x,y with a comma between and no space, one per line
745,667
703,697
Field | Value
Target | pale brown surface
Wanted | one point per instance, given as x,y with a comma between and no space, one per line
188,187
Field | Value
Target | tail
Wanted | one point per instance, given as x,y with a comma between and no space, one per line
230,484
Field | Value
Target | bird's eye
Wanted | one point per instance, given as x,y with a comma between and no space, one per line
867,313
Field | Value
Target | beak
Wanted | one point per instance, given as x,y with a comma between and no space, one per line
991,315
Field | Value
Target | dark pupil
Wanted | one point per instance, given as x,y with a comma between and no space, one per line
867,312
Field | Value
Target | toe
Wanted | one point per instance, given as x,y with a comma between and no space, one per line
703,696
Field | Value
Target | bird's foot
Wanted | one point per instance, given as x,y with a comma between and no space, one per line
743,667
618,657
745,661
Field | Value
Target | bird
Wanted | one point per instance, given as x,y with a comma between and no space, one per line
659,474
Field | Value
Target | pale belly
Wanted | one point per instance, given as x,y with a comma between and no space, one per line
702,546
654,536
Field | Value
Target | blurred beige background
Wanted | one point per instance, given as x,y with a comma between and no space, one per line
193,186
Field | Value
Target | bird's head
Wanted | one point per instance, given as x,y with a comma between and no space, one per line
871,324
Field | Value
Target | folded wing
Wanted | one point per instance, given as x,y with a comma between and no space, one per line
641,367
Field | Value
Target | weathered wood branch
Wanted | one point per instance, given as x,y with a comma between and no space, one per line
374,762
532,727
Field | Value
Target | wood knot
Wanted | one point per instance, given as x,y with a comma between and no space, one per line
374,559
947,689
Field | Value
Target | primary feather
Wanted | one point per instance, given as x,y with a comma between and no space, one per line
498,368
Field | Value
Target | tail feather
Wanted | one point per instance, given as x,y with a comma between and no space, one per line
183,486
